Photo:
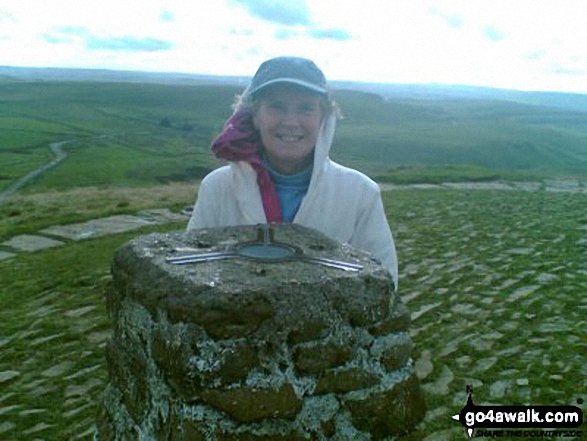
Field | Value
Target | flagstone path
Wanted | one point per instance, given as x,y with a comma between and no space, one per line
498,304
553,185
123,223
87,230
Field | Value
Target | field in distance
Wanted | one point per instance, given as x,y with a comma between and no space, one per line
146,133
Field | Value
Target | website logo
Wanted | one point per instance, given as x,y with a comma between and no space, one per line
474,417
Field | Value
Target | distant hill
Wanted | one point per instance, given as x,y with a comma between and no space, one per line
4,78
425,92
117,76
436,92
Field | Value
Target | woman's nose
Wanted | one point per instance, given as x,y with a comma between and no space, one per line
290,116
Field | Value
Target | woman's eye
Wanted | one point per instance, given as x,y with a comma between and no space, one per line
301,109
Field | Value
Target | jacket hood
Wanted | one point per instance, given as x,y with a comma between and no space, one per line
323,145
324,140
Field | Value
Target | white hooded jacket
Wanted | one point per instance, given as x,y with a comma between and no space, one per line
342,203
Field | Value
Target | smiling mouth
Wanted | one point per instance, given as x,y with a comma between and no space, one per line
289,138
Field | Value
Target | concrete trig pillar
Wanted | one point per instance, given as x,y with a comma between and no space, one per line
242,349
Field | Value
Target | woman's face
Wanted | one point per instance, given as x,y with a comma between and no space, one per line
288,118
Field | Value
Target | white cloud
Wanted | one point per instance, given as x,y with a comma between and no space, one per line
124,43
167,16
451,20
6,18
492,33
526,44
291,12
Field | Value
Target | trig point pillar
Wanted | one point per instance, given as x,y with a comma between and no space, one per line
306,342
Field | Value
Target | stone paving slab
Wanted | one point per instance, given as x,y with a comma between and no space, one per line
4,255
478,186
527,186
113,224
6,376
562,185
98,227
162,215
387,186
28,242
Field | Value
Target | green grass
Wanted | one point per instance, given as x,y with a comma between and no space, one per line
118,131
29,213
519,139
132,160
16,164
451,173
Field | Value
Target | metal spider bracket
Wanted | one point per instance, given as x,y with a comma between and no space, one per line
263,249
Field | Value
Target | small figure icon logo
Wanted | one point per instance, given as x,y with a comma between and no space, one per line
469,407
519,417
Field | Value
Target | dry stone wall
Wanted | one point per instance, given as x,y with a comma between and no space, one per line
245,350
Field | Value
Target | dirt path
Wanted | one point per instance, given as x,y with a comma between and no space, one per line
59,156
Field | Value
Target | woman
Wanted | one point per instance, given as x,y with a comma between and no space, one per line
277,142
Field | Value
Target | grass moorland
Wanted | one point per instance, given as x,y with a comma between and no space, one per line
136,134
495,280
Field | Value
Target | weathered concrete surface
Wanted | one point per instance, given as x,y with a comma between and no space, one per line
242,349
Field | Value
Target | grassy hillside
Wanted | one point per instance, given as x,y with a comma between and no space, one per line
505,138
144,134
122,133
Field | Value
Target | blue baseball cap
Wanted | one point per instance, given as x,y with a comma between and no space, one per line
292,70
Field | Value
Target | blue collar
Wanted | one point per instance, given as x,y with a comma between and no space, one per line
297,180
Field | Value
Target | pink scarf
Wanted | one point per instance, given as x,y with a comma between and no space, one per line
239,140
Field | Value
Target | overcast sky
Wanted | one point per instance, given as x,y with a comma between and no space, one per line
517,44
